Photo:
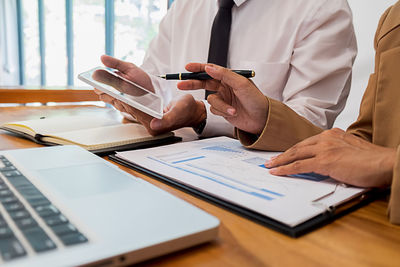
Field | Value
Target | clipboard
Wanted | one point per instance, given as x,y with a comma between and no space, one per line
329,215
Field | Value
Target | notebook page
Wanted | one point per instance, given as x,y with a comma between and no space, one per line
121,134
51,126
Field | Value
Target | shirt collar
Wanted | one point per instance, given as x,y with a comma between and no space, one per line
239,2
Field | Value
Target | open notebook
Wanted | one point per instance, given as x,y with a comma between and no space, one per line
223,171
96,134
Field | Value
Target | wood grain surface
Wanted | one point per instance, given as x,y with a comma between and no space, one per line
46,95
361,238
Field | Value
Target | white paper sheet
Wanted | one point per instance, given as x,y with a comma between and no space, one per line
222,167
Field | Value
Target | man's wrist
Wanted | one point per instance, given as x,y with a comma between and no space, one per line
201,118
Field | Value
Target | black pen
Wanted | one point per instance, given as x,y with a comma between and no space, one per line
203,75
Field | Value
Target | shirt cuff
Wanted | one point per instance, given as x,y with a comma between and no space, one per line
216,125
283,128
163,88
394,203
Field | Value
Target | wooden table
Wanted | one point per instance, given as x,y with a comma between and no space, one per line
362,238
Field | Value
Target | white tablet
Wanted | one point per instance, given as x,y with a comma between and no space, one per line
124,90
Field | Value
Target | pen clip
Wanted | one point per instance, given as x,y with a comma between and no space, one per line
326,195
316,202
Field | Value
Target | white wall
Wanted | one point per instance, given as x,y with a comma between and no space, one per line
366,15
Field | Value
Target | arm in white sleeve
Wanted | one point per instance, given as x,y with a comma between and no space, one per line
157,58
319,76
320,69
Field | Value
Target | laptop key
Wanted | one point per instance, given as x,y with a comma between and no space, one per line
64,229
46,210
26,223
7,163
11,248
5,232
5,193
39,201
20,214
55,220
6,169
20,181
14,206
2,221
3,186
39,240
11,173
8,199
29,192
73,238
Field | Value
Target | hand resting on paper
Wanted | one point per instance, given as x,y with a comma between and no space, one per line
340,155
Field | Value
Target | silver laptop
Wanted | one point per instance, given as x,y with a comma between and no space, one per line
65,206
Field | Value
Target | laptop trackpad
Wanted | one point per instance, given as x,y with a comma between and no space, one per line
84,180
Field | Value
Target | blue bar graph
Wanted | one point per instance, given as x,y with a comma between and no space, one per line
186,160
249,189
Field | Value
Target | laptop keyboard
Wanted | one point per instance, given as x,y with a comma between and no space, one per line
17,220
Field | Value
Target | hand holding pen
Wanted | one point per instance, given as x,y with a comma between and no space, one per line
236,98
203,75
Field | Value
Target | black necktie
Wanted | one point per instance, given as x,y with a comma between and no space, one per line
219,41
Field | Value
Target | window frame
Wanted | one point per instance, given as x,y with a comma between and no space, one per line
109,38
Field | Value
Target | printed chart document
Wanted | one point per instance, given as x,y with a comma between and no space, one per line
223,168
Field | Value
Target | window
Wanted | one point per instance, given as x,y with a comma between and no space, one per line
60,38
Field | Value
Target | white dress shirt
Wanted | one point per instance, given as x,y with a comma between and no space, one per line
302,52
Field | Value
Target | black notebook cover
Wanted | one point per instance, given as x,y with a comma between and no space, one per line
146,144
297,231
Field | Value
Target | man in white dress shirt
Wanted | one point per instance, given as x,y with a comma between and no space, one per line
301,51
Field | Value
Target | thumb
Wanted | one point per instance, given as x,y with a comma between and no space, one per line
156,124
115,63
163,124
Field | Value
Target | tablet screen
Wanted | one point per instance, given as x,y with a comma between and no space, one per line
124,90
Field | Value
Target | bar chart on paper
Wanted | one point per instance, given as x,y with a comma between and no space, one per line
223,168
205,165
